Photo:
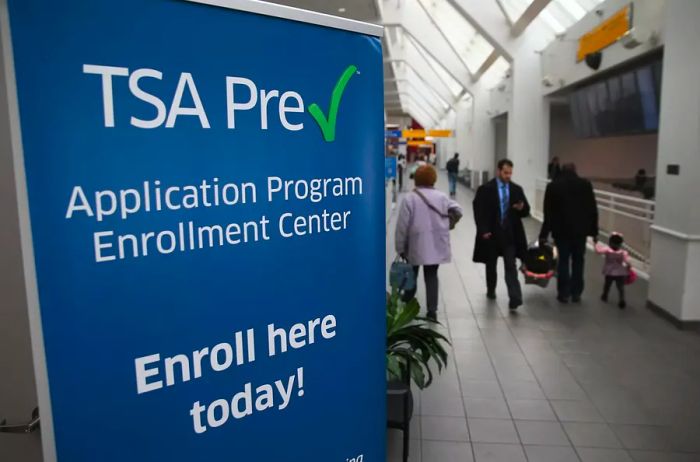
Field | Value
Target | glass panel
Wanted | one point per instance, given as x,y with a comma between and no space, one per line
418,93
615,93
647,94
432,72
593,110
515,8
419,114
558,15
472,47
425,90
575,8
495,74
435,67
629,111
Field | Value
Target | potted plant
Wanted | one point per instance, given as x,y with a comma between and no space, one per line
412,344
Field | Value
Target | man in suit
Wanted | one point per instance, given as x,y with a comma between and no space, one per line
499,207
570,215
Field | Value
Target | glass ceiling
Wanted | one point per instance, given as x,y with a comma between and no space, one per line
418,113
558,15
462,37
409,81
495,73
427,90
432,70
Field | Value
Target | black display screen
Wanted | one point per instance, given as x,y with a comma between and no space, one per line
624,103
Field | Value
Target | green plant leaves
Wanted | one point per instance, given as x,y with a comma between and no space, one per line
412,343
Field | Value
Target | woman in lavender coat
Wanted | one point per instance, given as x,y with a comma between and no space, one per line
423,232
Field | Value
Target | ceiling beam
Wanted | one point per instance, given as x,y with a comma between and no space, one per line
484,16
413,103
411,100
426,107
505,12
444,36
528,16
413,110
415,92
492,58
420,45
422,79
427,62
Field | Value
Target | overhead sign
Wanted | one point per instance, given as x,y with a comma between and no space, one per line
417,133
605,34
196,223
392,133
440,133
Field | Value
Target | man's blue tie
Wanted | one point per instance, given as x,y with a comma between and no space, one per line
505,201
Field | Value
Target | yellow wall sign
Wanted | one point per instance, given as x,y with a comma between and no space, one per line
440,133
415,133
605,34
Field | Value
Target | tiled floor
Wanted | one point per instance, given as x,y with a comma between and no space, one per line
553,383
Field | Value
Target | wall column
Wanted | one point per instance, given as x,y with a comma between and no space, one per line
675,252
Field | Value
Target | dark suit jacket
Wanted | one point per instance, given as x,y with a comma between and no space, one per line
570,209
487,214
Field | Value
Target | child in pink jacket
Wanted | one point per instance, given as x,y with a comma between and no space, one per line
616,267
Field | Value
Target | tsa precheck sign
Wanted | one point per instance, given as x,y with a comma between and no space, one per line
206,199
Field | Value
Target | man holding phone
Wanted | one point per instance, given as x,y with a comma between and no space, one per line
499,207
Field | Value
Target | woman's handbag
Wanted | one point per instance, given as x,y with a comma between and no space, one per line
401,275
452,214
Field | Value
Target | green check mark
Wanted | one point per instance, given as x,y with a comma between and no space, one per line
327,125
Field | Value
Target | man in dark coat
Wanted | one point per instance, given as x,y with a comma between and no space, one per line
452,168
570,215
499,207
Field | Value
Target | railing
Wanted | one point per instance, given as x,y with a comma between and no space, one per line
628,215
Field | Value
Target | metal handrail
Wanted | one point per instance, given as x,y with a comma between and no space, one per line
624,214
627,198
618,205
607,197
28,427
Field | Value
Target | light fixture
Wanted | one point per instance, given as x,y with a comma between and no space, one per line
341,10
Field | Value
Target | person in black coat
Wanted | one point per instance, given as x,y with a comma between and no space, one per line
553,169
499,207
570,215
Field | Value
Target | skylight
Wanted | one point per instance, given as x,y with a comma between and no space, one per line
473,49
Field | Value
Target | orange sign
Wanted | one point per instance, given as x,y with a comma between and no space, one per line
440,133
423,133
413,133
607,33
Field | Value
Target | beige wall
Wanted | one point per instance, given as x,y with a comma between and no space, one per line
601,158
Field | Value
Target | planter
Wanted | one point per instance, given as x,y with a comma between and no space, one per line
399,410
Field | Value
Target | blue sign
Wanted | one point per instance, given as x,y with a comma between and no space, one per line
200,231
392,134
389,168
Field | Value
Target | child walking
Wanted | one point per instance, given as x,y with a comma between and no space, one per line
616,267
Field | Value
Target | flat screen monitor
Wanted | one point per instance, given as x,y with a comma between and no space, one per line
624,103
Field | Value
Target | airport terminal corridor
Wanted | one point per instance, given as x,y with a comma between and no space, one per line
197,257
552,383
